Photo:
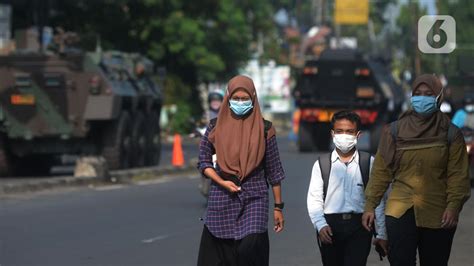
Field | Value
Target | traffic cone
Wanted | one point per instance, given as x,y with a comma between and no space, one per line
178,158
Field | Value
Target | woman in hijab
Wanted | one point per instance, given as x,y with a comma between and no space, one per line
235,226
424,157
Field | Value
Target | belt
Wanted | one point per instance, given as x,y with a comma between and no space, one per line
344,216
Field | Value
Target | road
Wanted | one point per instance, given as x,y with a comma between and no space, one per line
158,223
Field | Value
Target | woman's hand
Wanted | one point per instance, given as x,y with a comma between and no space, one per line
278,219
230,186
450,219
383,244
368,220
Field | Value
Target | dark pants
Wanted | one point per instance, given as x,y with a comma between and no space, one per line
434,245
351,242
252,250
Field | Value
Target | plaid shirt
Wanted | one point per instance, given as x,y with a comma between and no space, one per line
234,216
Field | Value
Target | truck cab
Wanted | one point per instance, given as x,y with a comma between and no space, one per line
344,79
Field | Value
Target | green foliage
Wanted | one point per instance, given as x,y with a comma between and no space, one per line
196,41
463,12
181,122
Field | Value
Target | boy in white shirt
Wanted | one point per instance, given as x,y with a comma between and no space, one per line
336,198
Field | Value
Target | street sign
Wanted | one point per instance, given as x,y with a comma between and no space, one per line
351,12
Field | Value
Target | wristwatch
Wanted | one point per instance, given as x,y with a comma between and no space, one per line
280,205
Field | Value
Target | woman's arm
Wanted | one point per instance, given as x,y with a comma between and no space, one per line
279,221
206,166
229,185
274,174
458,185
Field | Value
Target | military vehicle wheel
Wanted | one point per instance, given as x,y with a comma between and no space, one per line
139,140
305,137
153,140
117,142
322,134
35,165
6,168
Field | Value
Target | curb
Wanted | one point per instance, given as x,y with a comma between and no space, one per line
128,176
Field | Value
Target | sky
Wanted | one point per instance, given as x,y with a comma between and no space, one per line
431,4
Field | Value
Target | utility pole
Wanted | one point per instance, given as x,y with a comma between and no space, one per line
438,57
417,59
318,11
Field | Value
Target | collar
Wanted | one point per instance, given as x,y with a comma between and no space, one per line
335,156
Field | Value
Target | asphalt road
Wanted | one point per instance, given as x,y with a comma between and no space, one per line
158,223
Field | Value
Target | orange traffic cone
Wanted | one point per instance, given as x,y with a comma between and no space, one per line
178,158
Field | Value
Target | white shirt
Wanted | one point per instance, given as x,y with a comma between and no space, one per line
345,193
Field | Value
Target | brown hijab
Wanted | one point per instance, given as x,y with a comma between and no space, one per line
415,131
239,142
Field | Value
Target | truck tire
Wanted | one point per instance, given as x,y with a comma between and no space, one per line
35,165
322,134
117,142
305,137
6,168
139,140
153,140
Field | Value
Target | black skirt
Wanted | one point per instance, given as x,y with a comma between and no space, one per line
252,250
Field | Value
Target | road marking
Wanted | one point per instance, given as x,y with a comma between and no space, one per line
151,240
161,180
154,181
111,187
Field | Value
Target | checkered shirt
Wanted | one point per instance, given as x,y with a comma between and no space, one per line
234,216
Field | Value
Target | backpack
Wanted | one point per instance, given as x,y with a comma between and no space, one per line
394,132
325,166
266,125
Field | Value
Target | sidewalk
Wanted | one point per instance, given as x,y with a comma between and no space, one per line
126,176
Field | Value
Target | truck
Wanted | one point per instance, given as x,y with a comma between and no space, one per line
78,103
344,79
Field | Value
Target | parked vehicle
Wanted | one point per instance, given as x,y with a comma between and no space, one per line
344,79
71,102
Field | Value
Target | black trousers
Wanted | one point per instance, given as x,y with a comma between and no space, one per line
252,250
434,245
351,242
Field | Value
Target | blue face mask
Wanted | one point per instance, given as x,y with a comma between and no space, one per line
240,108
424,105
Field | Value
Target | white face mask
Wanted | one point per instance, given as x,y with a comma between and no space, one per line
344,142
469,108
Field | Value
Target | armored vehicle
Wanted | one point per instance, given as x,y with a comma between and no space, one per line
71,102
344,79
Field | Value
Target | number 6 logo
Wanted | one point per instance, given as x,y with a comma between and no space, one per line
436,34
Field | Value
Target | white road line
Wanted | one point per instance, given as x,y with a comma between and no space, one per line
151,240
161,180
154,181
111,187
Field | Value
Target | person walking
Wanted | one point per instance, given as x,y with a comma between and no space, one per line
336,197
424,157
236,220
